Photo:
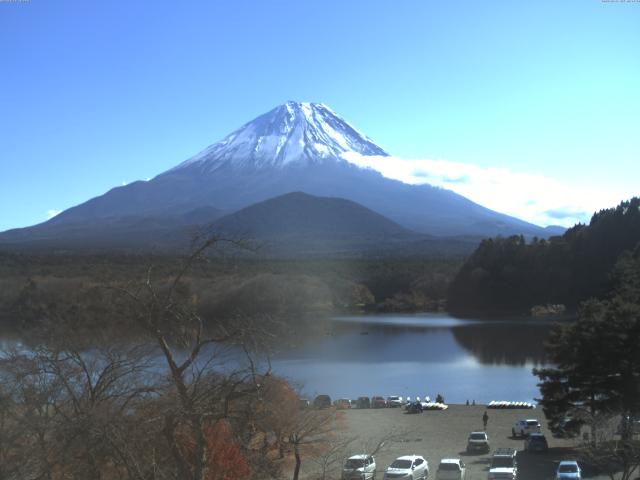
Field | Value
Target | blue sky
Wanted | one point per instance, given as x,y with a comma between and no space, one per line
545,93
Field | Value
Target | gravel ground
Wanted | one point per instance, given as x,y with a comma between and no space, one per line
443,434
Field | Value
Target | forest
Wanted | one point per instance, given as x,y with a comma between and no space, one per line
507,276
298,293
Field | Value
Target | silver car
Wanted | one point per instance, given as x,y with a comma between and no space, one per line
359,467
568,470
408,467
451,469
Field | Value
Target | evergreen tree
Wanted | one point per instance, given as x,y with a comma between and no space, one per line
509,275
597,359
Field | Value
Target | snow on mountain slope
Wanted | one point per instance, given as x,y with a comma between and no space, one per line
296,147
293,133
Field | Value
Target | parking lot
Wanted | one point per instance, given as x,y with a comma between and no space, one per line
443,434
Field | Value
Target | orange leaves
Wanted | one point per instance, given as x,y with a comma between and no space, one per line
225,459
279,396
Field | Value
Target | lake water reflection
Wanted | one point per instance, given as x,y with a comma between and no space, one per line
420,355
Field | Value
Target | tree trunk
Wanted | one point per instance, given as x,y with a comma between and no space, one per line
202,461
280,447
182,468
296,470
594,420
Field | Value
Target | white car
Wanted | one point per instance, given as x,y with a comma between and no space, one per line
451,469
394,401
408,467
522,428
568,470
478,442
359,467
504,465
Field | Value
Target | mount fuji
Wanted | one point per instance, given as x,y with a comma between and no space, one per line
296,147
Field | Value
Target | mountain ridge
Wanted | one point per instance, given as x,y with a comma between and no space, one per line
296,147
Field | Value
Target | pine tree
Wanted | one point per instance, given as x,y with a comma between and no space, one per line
596,360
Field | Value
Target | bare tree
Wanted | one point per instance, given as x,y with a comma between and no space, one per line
311,431
373,446
616,455
330,460
73,409
337,449
201,394
186,401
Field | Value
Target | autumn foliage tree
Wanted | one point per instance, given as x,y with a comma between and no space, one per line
275,412
225,457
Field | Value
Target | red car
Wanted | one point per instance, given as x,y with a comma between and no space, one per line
342,403
378,402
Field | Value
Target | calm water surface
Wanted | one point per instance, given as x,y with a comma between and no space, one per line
421,355
412,355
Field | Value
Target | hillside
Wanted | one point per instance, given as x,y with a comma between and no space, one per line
130,233
298,224
299,215
510,275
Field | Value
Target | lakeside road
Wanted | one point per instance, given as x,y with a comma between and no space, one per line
443,434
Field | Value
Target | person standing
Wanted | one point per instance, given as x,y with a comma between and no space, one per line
485,419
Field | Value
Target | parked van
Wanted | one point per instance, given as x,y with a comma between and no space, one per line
322,401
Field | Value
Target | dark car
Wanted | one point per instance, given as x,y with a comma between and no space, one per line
567,427
414,407
536,442
363,402
322,401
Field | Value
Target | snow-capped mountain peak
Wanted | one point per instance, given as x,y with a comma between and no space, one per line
295,132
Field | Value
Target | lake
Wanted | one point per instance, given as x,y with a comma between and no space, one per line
423,354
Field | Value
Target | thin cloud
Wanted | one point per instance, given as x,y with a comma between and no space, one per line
420,173
536,198
52,213
561,214
462,179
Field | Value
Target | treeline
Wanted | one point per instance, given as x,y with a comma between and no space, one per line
511,275
79,288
